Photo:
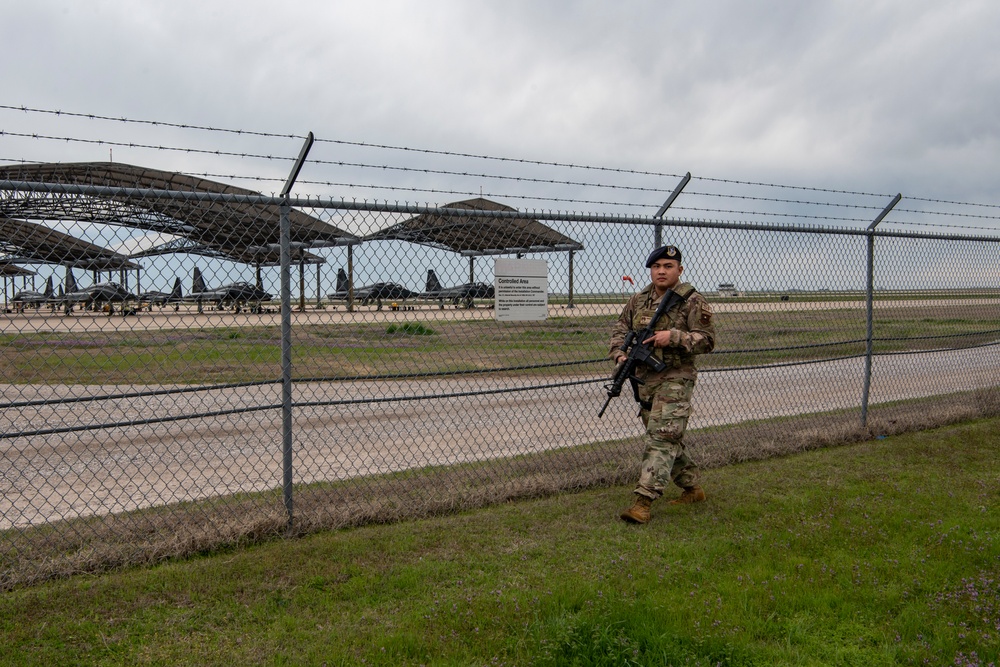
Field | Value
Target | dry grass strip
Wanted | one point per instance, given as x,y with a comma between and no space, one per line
100,544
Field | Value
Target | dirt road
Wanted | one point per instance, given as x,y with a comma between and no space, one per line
346,430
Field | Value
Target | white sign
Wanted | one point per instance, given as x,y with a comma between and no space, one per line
522,289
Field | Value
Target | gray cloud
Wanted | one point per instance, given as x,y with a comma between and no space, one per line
879,96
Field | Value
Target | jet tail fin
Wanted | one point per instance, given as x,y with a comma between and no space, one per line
197,282
49,292
175,293
70,280
342,283
433,284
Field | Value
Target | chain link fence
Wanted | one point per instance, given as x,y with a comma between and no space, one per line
187,366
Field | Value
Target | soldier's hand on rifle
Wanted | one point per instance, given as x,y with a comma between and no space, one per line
660,339
619,362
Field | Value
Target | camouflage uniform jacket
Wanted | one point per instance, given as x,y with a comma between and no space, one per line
692,331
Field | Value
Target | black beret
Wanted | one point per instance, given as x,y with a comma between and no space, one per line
664,252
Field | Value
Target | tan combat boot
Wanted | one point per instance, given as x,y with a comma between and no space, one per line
639,512
692,494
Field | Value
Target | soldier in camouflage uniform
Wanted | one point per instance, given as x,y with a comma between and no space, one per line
683,332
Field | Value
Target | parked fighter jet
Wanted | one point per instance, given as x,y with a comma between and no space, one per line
96,296
376,293
238,295
342,286
460,294
387,291
34,299
161,299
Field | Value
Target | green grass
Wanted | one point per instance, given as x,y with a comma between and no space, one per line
569,345
410,329
880,553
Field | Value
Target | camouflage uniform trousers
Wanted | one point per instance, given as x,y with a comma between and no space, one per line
665,460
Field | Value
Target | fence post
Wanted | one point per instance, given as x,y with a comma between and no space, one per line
285,243
350,279
286,359
569,303
658,229
869,298
319,289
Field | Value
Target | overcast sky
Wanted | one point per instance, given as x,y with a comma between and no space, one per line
884,97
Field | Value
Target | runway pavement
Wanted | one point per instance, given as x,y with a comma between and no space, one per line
44,321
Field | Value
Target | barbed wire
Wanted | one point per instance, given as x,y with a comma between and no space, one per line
597,202
438,191
408,149
122,119
873,207
782,201
790,187
344,142
569,201
937,225
467,193
542,163
593,202
802,216
954,203
574,201
356,165
467,174
362,144
132,144
771,214
18,160
949,213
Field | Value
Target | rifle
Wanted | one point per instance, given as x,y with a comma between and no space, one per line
639,353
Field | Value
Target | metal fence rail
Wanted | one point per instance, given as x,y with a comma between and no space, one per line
270,398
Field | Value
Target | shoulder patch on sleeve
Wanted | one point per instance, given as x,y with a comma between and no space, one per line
706,313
